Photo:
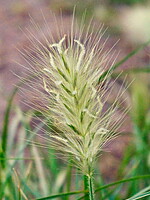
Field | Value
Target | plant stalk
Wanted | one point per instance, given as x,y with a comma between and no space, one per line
91,189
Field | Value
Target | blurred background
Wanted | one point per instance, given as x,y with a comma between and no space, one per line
127,20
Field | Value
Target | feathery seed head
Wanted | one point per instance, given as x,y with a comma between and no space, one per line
69,71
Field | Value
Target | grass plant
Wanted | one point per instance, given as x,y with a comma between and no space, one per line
72,79
74,98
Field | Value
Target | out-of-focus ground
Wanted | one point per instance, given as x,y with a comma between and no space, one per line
14,14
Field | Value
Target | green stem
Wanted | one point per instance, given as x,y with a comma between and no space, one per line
91,189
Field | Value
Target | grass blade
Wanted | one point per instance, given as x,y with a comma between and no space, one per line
4,134
62,195
40,171
132,53
140,196
137,70
141,193
118,182
98,189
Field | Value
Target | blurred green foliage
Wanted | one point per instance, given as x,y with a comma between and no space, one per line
127,2
141,125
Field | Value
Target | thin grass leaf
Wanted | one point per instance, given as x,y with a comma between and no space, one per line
29,158
118,182
62,195
40,171
137,70
141,192
133,71
4,134
146,194
98,189
118,64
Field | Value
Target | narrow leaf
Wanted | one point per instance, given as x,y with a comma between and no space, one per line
132,53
